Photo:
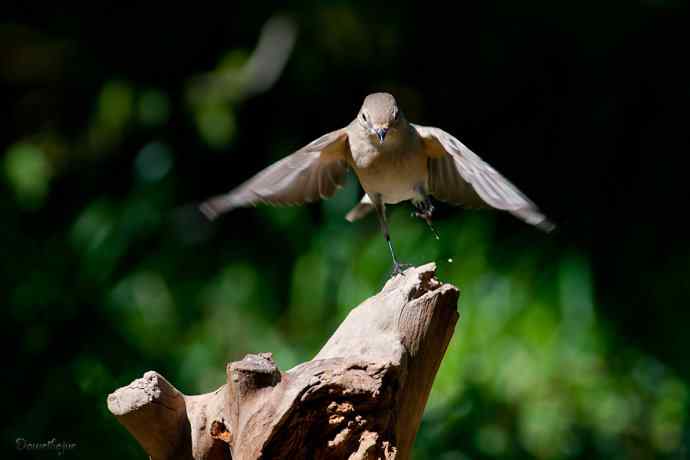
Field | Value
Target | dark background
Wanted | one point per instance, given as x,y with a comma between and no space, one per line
116,121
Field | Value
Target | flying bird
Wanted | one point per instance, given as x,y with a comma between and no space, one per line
394,160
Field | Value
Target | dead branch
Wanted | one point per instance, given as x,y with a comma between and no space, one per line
361,397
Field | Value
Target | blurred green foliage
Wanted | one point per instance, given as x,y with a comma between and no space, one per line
109,271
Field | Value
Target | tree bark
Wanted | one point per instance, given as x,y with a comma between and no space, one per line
361,397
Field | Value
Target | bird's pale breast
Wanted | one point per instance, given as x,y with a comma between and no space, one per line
394,175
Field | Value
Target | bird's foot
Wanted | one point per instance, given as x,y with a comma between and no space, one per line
398,269
423,214
426,215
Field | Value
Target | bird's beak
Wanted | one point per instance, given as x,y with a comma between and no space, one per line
381,134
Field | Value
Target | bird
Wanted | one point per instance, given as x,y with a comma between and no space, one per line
394,161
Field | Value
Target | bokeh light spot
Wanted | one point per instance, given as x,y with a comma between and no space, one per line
28,173
153,162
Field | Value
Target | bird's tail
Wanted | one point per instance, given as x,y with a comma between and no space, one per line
363,208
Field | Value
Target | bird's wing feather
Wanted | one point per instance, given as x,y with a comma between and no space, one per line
458,176
315,171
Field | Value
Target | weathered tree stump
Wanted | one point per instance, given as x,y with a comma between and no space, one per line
361,397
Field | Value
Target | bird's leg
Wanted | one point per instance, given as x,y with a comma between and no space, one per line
425,209
381,213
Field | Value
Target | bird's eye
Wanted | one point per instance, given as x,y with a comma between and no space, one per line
364,117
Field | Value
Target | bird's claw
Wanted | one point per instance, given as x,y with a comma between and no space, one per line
426,215
423,214
399,269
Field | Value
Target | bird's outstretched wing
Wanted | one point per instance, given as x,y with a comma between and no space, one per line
458,176
314,171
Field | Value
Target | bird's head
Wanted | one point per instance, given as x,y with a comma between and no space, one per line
379,115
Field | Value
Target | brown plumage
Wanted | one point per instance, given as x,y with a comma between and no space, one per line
394,161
